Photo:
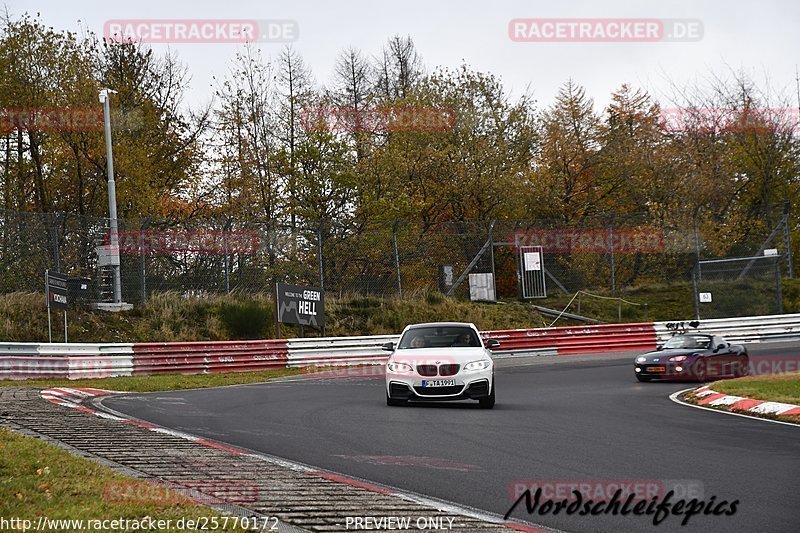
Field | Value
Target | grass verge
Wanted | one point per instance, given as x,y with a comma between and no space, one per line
162,382
38,479
783,388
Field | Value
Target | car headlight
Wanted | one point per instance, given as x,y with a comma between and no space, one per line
678,358
400,368
641,359
478,365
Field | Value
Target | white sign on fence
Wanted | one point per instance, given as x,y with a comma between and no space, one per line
481,288
533,261
705,297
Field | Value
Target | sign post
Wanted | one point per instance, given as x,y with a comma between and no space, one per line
57,291
47,296
295,304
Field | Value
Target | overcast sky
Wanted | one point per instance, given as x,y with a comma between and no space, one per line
760,37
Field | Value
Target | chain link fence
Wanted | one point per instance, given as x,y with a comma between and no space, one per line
390,258
743,286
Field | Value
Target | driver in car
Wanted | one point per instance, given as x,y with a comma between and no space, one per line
463,340
418,342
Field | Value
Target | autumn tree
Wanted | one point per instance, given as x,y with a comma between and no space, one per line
570,156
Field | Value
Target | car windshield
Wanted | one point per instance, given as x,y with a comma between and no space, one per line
440,337
688,341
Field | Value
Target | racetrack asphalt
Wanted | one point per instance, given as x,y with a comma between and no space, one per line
558,419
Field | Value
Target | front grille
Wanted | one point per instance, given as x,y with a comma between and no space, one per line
426,370
448,370
439,391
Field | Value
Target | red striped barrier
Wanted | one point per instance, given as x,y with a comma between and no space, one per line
208,357
577,339
23,360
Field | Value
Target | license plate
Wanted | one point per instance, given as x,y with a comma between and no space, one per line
656,369
438,383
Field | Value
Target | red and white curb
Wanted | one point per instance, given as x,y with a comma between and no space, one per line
73,398
729,404
739,403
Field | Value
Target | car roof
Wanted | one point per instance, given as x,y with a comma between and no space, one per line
442,324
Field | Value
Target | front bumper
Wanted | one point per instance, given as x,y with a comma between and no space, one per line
469,386
666,371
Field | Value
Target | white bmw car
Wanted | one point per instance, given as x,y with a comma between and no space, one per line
440,361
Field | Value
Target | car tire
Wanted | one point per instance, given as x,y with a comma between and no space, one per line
742,369
643,379
394,402
699,370
488,402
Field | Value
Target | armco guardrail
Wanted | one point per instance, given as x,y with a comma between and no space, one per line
574,339
30,360
767,328
338,350
76,360
208,357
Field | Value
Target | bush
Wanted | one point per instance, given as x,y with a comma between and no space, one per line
246,319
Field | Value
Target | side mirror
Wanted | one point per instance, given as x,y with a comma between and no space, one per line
492,344
388,347
719,347
659,347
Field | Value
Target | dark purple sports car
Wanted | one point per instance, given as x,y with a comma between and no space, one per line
694,357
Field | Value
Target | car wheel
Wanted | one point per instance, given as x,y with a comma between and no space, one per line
642,378
488,402
700,370
743,369
394,402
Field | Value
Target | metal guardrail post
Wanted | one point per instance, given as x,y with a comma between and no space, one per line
142,262
56,251
696,246
778,286
611,246
397,260
491,252
787,241
320,258
694,291
226,229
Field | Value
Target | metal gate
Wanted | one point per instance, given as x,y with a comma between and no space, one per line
530,269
